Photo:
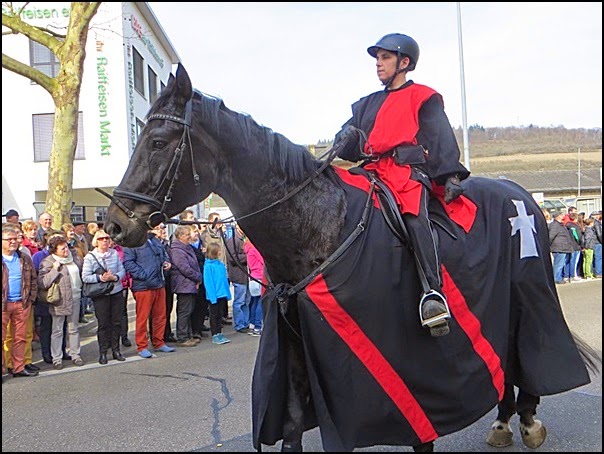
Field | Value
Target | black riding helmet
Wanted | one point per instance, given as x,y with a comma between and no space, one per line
397,42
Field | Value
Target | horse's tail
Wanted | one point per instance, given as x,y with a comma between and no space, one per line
590,357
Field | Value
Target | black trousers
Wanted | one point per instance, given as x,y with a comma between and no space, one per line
109,310
184,308
124,324
200,310
424,243
216,314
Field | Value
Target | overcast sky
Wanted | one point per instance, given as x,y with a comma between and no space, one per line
297,67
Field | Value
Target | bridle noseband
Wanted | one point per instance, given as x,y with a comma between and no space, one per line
172,174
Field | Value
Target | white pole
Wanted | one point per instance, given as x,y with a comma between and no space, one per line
466,142
579,172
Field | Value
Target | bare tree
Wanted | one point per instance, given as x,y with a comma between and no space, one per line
70,50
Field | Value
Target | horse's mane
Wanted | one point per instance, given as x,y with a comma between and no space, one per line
291,159
242,132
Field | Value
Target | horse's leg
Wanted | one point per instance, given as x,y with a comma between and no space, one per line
424,447
532,430
298,393
500,434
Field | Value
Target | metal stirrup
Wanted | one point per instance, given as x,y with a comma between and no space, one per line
433,295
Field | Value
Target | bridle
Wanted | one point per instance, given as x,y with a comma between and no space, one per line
170,178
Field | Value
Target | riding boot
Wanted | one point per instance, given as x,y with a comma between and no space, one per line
435,313
433,308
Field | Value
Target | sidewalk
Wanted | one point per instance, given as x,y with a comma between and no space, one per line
89,349
88,341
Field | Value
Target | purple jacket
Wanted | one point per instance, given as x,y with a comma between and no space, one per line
185,272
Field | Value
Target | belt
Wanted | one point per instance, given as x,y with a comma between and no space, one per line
404,155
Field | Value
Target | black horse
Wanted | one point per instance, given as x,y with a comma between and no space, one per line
342,347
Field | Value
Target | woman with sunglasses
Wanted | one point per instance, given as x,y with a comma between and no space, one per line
108,308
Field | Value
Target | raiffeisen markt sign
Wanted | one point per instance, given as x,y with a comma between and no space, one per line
42,13
138,29
34,14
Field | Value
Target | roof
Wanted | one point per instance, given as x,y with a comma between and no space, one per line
551,180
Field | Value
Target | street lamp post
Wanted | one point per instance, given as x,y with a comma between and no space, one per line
466,142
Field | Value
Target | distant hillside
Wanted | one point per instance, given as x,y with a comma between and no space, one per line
530,148
485,142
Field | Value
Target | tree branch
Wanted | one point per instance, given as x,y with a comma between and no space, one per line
17,25
48,83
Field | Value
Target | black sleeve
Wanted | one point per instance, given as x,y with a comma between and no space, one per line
437,136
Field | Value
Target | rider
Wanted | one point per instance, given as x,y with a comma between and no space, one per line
403,134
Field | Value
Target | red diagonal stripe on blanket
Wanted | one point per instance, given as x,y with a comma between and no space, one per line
470,325
371,357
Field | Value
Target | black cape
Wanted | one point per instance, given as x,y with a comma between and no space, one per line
376,377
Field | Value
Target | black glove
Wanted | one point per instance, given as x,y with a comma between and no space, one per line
453,188
348,140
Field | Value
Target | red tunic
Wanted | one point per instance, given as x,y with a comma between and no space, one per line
397,123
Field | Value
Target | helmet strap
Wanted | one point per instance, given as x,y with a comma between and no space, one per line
399,58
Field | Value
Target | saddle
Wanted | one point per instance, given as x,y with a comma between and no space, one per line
391,212
395,221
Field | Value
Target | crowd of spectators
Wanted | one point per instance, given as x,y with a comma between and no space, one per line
576,245
36,257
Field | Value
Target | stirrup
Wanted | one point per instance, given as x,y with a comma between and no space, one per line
438,319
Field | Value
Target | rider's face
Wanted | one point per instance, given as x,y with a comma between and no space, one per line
385,63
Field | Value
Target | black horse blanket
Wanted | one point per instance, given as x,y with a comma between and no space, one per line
376,377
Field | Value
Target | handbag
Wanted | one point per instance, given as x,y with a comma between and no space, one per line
50,295
255,288
97,288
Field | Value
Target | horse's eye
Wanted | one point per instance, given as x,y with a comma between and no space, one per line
158,144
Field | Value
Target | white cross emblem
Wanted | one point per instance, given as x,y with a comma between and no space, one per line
525,224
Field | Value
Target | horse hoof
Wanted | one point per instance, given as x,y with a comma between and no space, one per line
424,447
500,435
295,446
439,330
534,435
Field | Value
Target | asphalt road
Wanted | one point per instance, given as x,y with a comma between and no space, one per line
198,399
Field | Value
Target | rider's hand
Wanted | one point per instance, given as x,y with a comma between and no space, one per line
453,188
348,140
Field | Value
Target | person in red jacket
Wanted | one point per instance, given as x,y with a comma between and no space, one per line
403,134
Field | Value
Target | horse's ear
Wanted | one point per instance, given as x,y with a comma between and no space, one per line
183,82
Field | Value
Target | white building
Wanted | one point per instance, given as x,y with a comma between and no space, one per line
128,61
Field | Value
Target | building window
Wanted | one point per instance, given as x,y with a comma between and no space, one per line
152,85
42,59
100,213
139,72
77,214
42,130
139,127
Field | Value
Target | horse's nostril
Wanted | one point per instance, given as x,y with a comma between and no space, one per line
113,229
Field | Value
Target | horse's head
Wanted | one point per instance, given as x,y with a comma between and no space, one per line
163,177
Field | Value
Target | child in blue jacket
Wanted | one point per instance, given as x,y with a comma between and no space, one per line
217,288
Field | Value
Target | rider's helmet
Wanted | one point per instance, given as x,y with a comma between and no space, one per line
397,42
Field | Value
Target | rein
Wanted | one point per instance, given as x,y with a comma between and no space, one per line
157,217
284,291
333,153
